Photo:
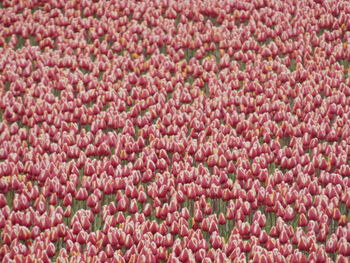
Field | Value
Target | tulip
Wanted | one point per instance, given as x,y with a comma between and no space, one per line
264,132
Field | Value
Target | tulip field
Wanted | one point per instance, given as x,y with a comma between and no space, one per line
175,131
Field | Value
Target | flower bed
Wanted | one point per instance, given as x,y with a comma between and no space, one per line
174,131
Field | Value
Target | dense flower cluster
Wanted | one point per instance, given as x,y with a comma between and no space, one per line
175,131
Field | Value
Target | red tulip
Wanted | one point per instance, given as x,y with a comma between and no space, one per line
147,210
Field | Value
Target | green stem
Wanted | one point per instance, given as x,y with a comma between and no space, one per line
191,207
295,221
215,205
250,217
